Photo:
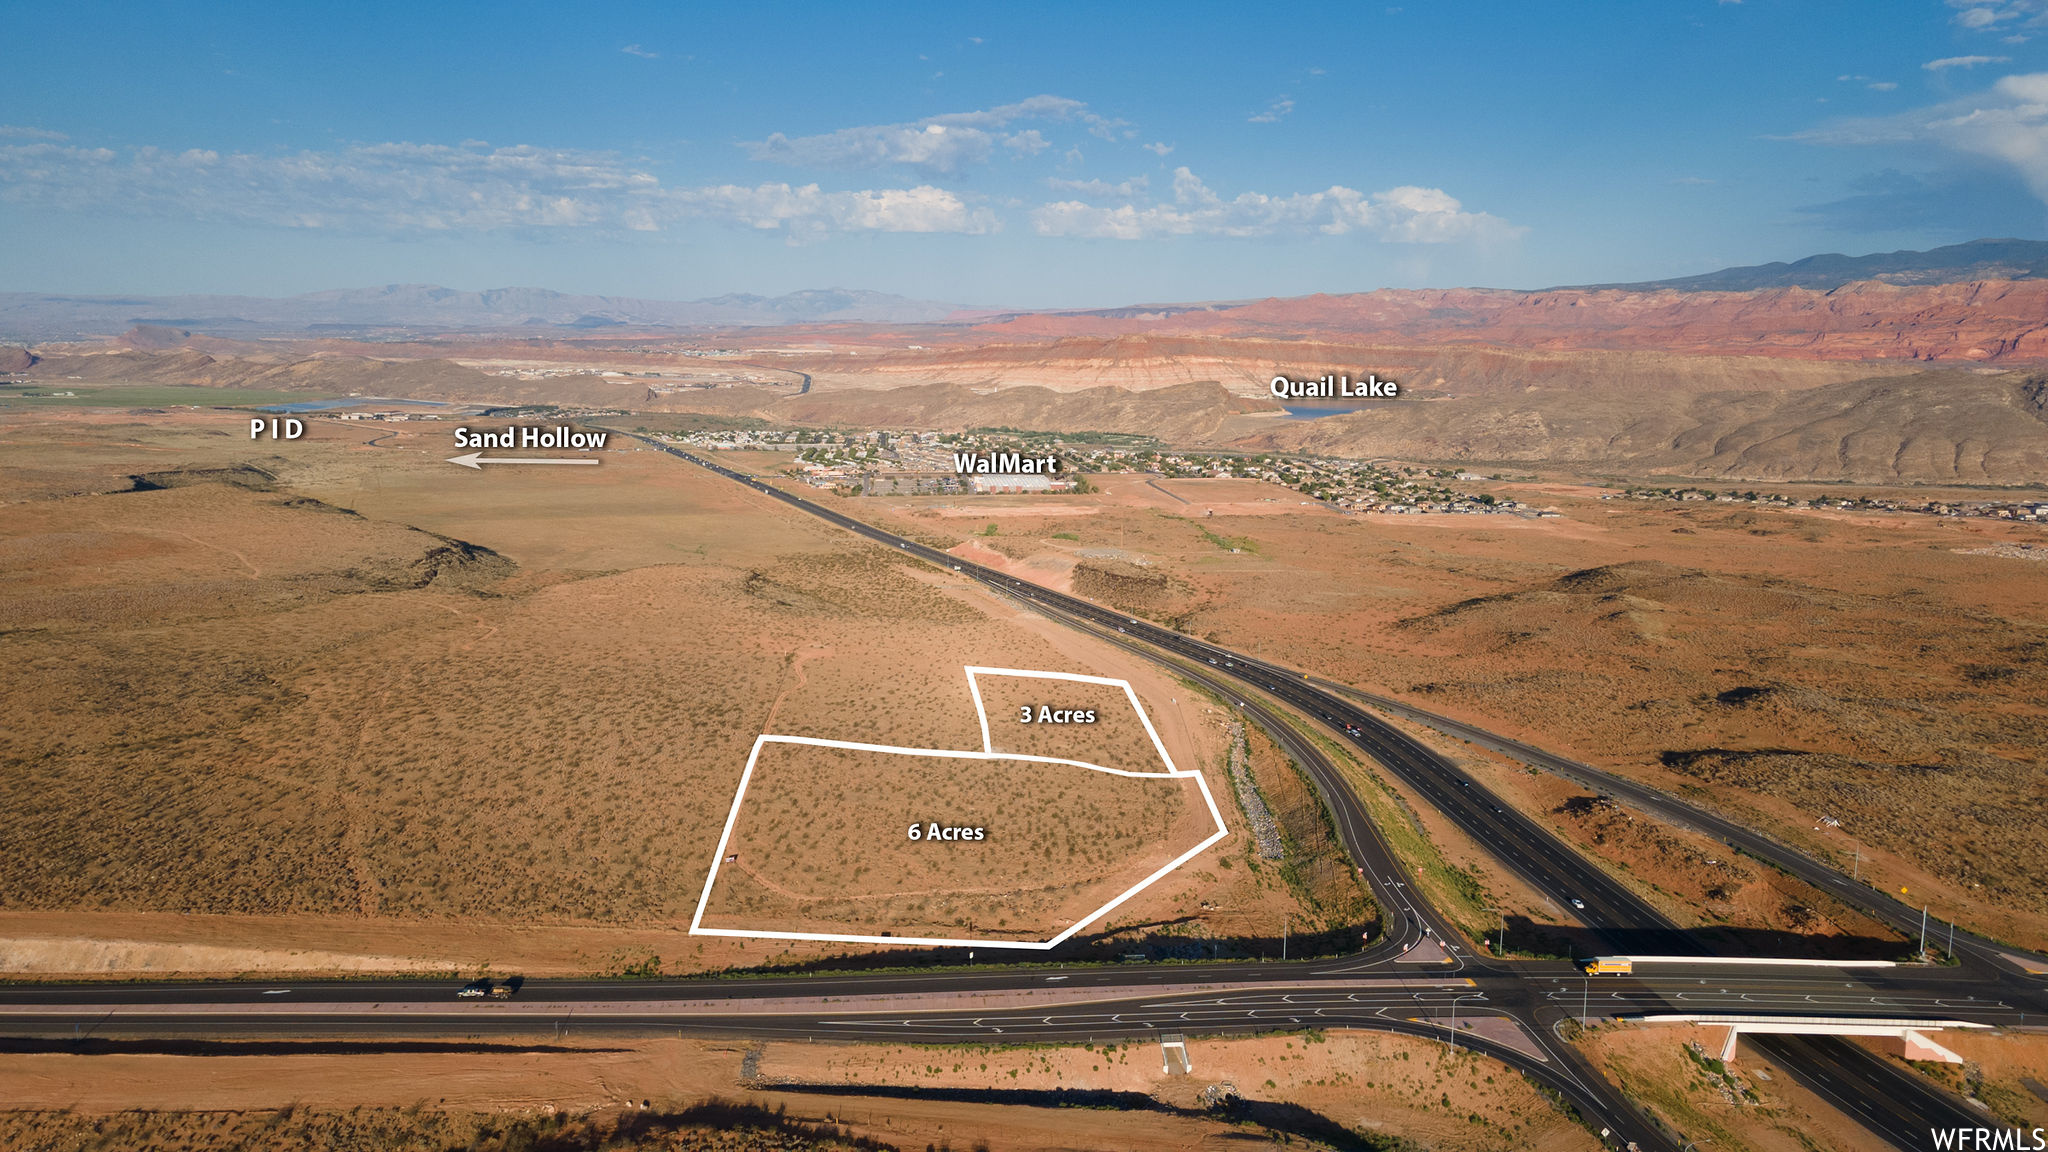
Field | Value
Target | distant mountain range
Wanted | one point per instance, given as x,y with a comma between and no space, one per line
398,310
412,307
1975,260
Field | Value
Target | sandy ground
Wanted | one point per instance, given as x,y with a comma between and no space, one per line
32,955
1754,1107
289,719
1363,1083
1047,845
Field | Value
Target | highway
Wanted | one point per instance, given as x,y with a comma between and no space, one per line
1122,1003
1673,810
1599,901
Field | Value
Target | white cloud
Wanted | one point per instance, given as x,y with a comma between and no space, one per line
1101,189
2007,123
1882,85
1159,149
22,132
1948,62
403,188
808,210
1273,112
937,145
636,50
1405,215
1988,15
1029,142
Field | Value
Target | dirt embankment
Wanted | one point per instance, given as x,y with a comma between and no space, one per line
1335,1089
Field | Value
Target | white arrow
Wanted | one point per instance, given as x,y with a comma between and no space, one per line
476,460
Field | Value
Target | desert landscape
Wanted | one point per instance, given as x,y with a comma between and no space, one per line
262,686
332,706
1373,578
1784,680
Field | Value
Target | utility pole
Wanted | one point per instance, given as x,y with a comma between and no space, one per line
1951,941
1284,923
1500,939
1923,933
1857,874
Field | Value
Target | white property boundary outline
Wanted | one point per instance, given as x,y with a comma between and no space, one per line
987,752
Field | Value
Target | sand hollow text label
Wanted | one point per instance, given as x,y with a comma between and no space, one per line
526,436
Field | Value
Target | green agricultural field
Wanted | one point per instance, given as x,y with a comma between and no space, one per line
83,395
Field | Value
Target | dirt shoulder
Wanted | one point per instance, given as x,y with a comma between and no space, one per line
1350,1087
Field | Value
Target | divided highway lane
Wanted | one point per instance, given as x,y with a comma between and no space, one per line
1901,1109
1510,987
1970,947
1410,1006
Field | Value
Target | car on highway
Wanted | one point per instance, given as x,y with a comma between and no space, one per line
1578,903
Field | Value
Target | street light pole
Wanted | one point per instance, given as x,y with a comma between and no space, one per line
1923,933
1454,1018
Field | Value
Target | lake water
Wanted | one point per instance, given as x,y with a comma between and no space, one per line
1313,412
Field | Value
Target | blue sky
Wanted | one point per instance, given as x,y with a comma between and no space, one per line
1046,156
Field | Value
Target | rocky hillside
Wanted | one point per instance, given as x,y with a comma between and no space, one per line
1981,321
1935,427
1976,260
1183,413
425,379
